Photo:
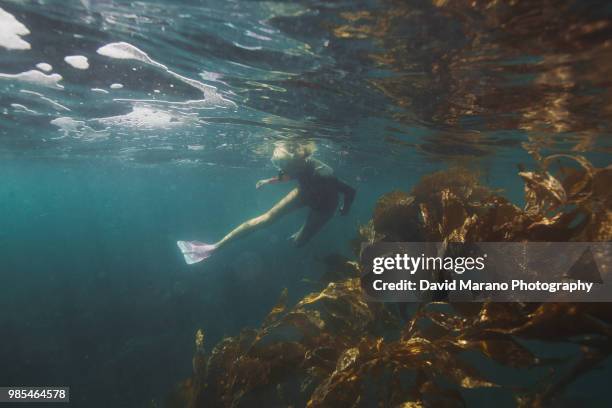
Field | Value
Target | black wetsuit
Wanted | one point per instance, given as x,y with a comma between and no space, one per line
319,191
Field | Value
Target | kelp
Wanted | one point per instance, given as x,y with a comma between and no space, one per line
573,205
333,348
395,215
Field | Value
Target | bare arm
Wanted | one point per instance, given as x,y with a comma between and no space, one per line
263,182
288,203
273,180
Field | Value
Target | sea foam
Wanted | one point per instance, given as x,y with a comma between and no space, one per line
77,61
43,66
35,77
123,50
11,31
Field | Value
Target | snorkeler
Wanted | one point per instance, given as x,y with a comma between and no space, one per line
317,189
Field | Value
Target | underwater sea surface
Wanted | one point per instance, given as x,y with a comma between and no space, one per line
128,125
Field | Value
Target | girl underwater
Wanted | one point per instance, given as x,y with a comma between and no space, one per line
317,189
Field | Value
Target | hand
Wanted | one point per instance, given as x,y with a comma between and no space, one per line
260,183
344,210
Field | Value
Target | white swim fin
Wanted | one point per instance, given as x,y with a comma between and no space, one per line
195,251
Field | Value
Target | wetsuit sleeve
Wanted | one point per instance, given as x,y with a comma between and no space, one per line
349,195
321,168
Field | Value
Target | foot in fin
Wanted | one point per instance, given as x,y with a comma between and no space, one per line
195,251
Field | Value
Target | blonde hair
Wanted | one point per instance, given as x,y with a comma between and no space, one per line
291,155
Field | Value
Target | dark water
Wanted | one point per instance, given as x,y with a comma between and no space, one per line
99,182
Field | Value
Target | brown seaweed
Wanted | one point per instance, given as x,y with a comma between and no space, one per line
334,348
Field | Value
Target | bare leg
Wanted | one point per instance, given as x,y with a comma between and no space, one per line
315,221
287,204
